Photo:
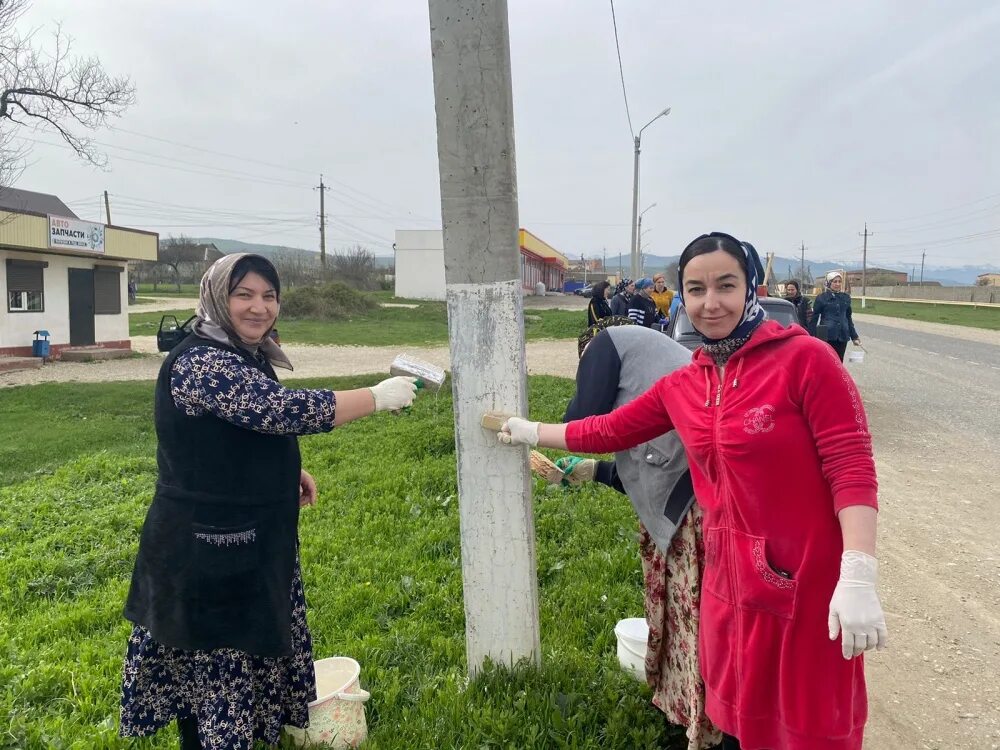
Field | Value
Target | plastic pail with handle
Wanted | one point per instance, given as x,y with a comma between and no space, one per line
632,634
857,356
337,716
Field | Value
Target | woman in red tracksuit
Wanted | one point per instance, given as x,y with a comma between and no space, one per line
781,462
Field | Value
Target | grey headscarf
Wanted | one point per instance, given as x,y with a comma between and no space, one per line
213,320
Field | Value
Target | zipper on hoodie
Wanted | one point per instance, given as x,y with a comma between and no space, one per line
730,542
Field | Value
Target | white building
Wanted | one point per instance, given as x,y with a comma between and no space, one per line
63,275
420,263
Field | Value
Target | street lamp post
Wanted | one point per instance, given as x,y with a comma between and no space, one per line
642,265
635,194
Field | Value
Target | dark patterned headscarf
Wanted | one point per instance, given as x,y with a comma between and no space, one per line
588,335
213,320
621,285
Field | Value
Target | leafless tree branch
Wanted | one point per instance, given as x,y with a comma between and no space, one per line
52,90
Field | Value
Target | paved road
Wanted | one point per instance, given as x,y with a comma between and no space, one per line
935,345
933,406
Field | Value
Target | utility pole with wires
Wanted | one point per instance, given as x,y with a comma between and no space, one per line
864,264
322,221
107,207
923,255
802,267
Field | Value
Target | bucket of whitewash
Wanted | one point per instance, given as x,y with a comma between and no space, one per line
632,634
857,356
337,716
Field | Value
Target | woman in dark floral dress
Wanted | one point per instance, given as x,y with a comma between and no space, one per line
220,641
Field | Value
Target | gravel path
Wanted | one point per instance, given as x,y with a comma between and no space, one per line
544,358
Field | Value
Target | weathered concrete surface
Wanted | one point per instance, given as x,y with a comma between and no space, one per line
470,49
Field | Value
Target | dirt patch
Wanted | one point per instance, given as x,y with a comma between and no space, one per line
556,357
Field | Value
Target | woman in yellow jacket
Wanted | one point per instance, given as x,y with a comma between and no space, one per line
661,295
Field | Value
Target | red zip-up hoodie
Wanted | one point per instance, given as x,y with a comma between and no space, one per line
778,443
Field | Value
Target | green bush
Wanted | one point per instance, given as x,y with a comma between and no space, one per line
334,301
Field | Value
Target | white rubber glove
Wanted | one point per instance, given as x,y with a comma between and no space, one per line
517,431
855,611
394,394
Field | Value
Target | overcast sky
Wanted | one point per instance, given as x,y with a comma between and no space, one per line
791,122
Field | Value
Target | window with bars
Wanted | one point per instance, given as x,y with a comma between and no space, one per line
25,286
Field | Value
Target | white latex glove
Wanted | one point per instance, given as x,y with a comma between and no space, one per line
394,394
855,611
517,431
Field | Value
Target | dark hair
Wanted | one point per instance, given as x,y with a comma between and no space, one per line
710,243
598,290
255,264
796,282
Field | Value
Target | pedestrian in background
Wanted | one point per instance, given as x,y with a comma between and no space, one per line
641,308
793,294
623,295
599,307
661,295
832,309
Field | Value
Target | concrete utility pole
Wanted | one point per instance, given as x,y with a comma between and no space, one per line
322,221
470,50
802,267
923,255
107,207
864,264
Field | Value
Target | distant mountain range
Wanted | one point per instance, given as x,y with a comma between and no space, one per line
946,275
782,266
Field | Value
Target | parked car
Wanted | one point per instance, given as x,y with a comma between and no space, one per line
585,291
171,333
681,330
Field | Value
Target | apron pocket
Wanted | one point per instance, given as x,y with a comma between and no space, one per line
227,561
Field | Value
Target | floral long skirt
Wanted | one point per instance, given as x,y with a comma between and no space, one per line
236,697
672,601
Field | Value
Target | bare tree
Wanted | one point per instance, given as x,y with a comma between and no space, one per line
355,266
52,90
184,257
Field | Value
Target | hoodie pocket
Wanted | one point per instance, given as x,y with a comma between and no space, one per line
737,571
762,586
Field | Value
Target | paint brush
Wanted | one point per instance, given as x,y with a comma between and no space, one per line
428,376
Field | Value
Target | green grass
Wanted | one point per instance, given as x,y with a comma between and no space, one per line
426,325
381,563
958,315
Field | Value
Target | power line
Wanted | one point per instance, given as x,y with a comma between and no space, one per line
978,214
236,176
621,70
208,150
344,185
939,211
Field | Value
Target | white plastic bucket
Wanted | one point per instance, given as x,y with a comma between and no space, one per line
857,356
337,716
633,633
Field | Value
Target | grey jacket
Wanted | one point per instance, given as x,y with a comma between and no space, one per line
620,364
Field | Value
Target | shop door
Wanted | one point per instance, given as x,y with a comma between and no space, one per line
81,306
